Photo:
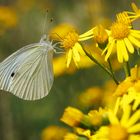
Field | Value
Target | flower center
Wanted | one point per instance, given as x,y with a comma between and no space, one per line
120,30
117,132
70,39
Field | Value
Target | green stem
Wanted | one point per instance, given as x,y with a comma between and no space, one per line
111,70
102,66
127,69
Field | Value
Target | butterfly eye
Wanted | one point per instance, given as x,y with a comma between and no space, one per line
12,74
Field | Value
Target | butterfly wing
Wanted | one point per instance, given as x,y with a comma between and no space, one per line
28,73
10,64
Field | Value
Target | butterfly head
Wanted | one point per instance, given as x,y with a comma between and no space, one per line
46,43
43,38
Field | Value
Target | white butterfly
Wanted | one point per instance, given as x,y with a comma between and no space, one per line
28,73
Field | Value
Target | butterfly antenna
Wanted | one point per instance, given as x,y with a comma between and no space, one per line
45,23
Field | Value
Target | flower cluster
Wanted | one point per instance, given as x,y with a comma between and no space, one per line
120,120
121,38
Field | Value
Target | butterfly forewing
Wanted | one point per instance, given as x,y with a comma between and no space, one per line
10,64
28,73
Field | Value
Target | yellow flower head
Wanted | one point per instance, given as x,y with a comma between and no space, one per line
90,97
100,36
70,39
122,39
133,98
123,126
95,117
72,116
71,44
119,30
117,132
129,82
123,87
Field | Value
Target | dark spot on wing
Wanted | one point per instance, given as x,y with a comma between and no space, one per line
12,74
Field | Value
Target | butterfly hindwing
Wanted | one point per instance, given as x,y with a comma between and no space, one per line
28,73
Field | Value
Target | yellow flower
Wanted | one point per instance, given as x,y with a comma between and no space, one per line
72,116
135,98
129,82
96,118
100,36
124,126
122,39
123,87
8,18
132,97
72,46
129,90
53,133
136,14
90,97
60,31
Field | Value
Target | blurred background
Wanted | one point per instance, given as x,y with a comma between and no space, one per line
21,23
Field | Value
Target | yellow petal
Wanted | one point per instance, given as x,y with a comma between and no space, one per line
69,57
106,48
134,128
79,48
135,31
134,7
85,38
126,115
136,104
110,47
129,45
134,118
88,33
136,35
133,17
134,41
76,55
117,105
132,13
124,51
134,137
112,118
119,52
